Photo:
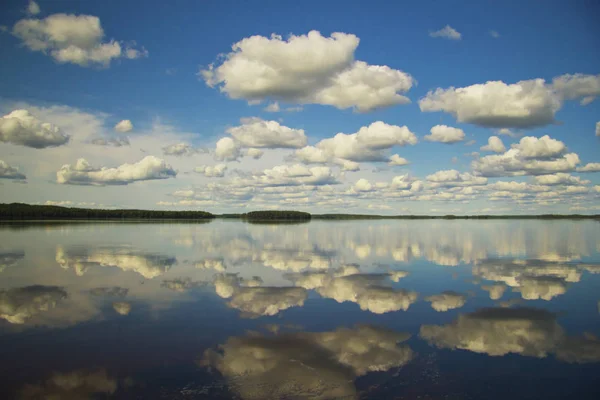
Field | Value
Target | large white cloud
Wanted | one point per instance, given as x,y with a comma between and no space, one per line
445,134
22,128
8,172
305,364
76,39
307,69
495,104
368,144
82,173
257,133
531,156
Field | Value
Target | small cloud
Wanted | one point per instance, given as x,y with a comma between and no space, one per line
470,143
33,8
494,34
171,71
124,126
446,32
272,107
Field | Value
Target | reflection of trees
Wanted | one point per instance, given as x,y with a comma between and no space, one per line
19,304
306,365
525,331
148,265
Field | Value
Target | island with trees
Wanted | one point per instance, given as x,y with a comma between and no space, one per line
21,211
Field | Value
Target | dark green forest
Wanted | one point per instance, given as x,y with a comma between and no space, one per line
20,211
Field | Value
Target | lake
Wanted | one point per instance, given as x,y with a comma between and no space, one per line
379,309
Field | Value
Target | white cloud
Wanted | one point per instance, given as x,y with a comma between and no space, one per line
589,167
494,144
298,174
82,173
496,290
494,34
396,160
76,39
531,156
179,149
124,126
507,132
446,301
446,32
255,153
494,104
8,172
307,69
227,149
544,147
22,128
559,179
367,144
362,185
445,134
273,107
33,8
216,171
257,133
452,178
574,86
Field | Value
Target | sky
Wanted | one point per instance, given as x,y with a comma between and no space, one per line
417,107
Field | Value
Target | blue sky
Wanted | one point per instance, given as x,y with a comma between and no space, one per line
58,72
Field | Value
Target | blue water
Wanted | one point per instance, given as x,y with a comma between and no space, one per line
351,309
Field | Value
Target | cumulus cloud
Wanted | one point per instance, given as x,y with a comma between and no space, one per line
82,173
293,175
494,144
531,156
589,167
305,364
257,133
179,285
22,128
446,32
559,179
307,69
495,104
227,149
255,153
124,126
445,301
179,149
574,86
453,178
19,304
396,160
217,264
496,290
214,171
33,8
8,172
445,134
147,265
76,39
368,144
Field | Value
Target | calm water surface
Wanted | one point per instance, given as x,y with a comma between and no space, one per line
323,310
